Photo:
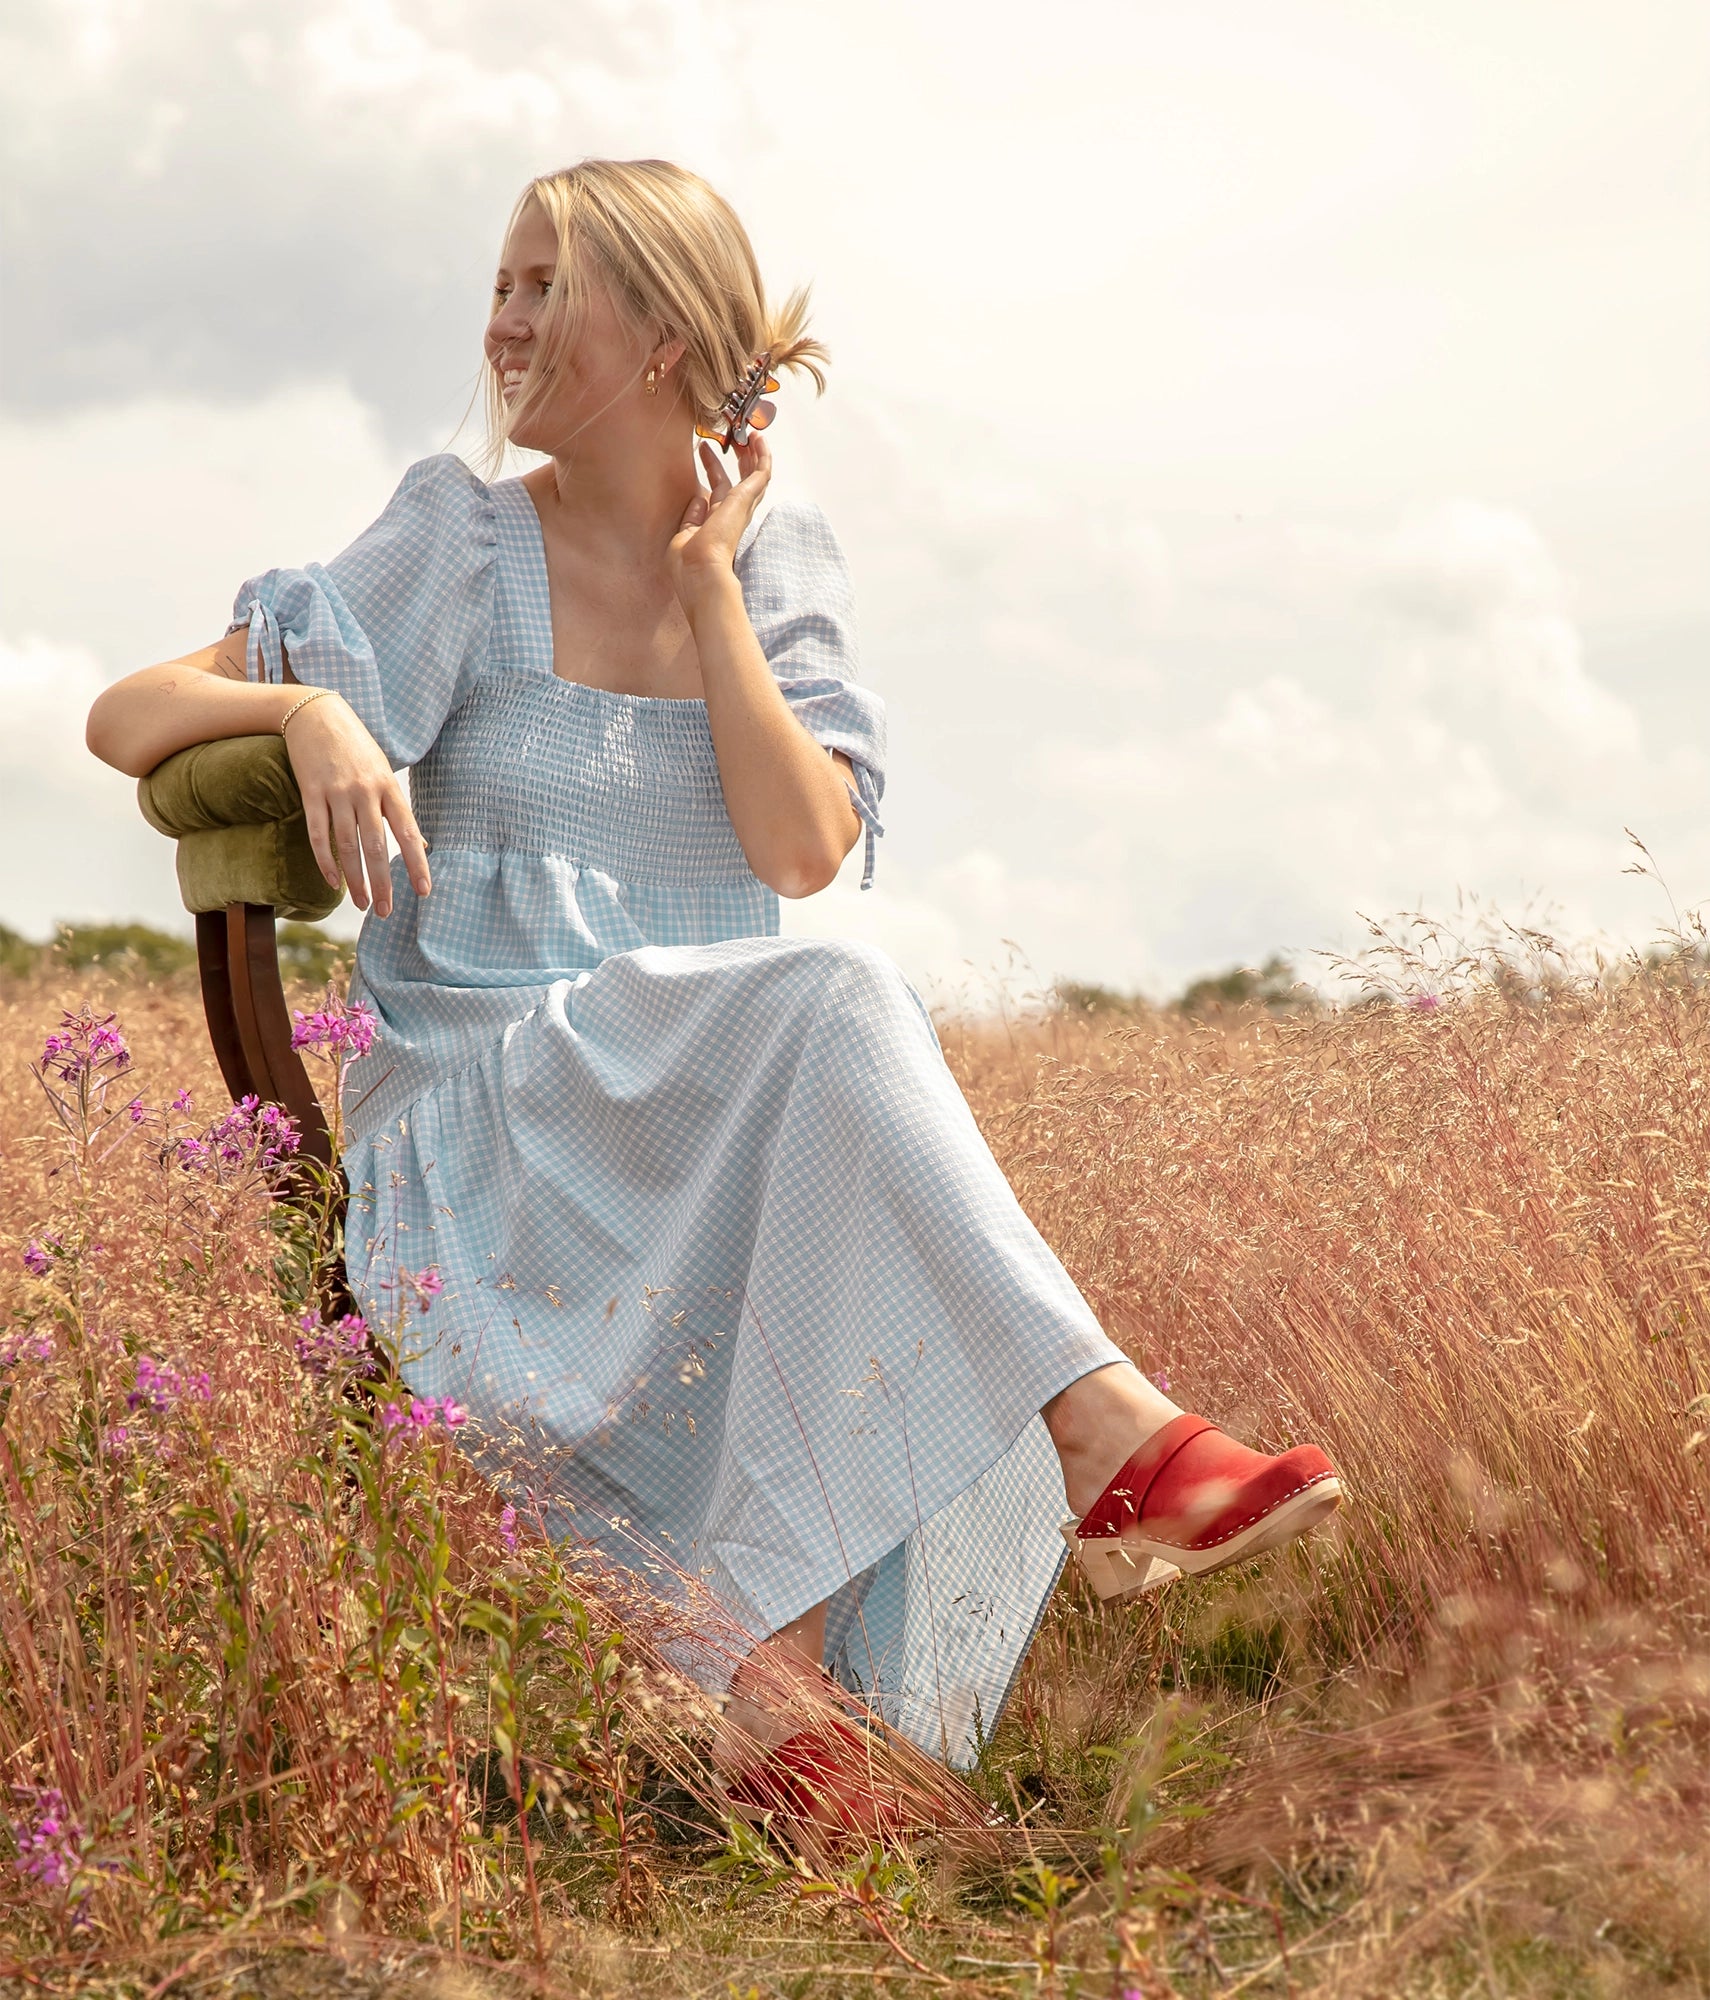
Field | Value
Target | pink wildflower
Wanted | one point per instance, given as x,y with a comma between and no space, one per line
508,1527
85,1046
320,1348
38,1256
160,1387
49,1841
343,1031
250,1133
16,1347
423,1414
424,1286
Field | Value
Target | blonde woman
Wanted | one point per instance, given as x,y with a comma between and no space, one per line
714,1225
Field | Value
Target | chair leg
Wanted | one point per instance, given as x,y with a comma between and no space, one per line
214,964
261,1025
264,1025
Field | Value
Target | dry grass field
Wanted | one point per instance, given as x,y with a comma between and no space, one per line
275,1680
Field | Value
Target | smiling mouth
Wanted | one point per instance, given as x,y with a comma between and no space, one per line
511,380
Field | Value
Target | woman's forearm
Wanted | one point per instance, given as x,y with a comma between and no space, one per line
148,715
787,800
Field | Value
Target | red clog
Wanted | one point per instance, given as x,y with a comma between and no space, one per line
822,1779
1193,1499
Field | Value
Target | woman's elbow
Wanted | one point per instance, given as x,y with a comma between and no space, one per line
803,872
125,733
104,736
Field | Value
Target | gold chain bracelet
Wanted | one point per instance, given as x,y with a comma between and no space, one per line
314,694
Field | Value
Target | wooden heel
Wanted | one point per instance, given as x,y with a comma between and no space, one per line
1116,1570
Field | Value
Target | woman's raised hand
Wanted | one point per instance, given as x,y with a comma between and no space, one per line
350,797
704,548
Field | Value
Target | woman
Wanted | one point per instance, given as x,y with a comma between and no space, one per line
714,1225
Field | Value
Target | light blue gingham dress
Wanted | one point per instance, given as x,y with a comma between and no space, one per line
720,1242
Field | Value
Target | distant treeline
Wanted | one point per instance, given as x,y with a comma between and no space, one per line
1274,986
305,951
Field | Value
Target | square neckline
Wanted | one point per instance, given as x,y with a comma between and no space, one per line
537,554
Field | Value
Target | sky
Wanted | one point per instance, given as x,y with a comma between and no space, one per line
1272,443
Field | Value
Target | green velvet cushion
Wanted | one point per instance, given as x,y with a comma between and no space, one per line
235,811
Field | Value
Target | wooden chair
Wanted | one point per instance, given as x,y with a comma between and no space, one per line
244,861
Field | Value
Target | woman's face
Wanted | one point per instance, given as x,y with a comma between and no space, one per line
600,374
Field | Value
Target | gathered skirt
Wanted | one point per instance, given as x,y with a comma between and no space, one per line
725,1256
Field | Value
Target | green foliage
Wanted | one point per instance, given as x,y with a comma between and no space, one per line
1077,996
1271,986
1244,1656
124,947
18,956
307,953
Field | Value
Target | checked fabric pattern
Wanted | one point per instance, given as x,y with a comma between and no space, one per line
725,1260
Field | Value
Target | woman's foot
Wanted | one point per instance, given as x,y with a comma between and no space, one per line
1098,1423
788,1751
823,1787
791,1755
1194,1498
1153,1491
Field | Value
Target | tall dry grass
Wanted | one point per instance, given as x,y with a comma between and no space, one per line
1462,1243
284,1672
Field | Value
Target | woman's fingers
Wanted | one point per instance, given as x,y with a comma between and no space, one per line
347,845
372,831
693,516
318,820
348,834
754,459
717,477
408,835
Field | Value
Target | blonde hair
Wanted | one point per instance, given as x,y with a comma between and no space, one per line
679,266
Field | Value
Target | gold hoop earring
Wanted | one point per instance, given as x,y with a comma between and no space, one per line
652,385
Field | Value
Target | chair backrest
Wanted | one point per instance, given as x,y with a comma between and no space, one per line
235,811
244,859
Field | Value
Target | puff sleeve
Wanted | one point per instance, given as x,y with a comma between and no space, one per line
398,623
796,587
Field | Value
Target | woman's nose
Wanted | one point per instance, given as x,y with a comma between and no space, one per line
508,327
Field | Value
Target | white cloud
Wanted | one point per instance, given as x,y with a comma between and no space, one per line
1475,751
1153,373
128,530
1490,616
78,848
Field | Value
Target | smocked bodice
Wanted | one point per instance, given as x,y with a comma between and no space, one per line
530,764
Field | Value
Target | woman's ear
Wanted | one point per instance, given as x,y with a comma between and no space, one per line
666,355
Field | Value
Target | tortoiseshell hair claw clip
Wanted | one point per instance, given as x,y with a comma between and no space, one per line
743,410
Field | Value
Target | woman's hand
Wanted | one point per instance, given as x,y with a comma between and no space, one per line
350,797
703,549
